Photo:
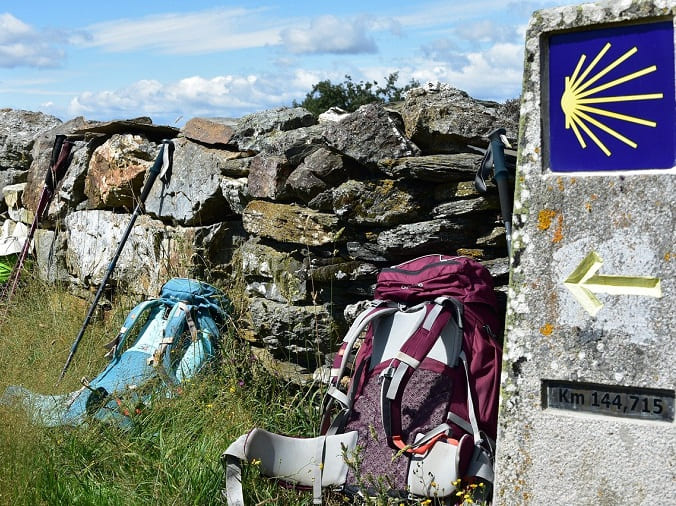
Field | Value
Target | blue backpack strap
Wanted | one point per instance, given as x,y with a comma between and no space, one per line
202,330
132,318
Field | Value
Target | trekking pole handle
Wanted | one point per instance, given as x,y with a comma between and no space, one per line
50,183
498,138
159,168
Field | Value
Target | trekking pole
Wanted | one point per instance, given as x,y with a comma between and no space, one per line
58,165
498,141
160,168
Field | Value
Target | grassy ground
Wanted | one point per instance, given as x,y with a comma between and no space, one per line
171,455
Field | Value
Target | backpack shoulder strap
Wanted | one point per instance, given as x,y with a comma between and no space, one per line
333,394
441,312
180,318
129,323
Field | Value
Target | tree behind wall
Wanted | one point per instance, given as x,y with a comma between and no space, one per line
349,95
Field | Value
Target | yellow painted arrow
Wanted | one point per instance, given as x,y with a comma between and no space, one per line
583,282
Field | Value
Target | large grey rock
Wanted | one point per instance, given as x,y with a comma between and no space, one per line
211,248
292,145
18,130
221,241
340,280
236,193
381,203
141,126
280,153
369,135
412,239
193,195
437,168
70,194
250,127
273,274
50,256
152,253
366,250
318,171
291,224
267,177
443,119
297,333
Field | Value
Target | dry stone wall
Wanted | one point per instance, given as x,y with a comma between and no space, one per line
300,211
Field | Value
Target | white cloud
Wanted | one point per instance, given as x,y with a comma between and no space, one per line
12,28
23,46
445,13
189,97
445,50
486,30
186,33
329,34
222,29
494,74
506,55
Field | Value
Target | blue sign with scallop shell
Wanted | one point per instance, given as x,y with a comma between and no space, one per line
612,99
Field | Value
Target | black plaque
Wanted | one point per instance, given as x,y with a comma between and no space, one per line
611,400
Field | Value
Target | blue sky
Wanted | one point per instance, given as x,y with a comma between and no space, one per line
174,60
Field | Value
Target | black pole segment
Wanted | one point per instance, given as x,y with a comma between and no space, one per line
161,165
501,176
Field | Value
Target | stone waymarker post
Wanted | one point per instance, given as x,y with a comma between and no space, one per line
587,406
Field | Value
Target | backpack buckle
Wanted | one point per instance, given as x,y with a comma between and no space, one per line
387,373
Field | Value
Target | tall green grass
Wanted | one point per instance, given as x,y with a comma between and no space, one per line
171,455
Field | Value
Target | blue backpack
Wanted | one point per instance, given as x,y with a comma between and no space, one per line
170,338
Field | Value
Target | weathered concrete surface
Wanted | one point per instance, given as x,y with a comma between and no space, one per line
570,456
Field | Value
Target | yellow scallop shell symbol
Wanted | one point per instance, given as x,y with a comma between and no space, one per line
578,95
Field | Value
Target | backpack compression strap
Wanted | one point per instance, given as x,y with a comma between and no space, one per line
443,311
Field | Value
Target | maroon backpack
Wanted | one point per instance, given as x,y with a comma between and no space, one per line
397,416
429,338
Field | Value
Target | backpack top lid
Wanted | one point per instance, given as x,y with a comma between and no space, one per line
430,276
195,293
